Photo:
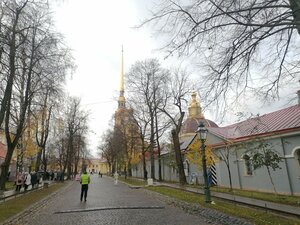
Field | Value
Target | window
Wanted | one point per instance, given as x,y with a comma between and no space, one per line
248,165
297,156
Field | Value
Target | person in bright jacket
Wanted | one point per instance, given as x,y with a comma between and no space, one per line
84,180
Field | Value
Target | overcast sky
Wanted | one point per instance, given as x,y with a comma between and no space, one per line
96,31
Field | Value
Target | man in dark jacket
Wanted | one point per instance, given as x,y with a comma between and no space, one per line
34,179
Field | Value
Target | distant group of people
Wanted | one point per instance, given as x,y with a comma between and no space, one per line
26,180
33,179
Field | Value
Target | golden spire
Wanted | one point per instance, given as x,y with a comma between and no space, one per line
195,110
121,101
122,73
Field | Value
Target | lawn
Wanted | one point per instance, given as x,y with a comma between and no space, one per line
284,199
14,206
259,217
255,216
10,185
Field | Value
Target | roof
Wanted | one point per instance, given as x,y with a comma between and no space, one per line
98,160
190,125
282,120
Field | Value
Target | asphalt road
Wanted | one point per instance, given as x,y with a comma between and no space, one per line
108,204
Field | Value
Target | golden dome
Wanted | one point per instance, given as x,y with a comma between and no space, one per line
195,117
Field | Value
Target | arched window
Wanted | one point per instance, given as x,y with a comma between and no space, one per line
248,165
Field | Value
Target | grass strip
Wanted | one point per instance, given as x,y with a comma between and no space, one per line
271,197
256,216
133,181
14,206
10,185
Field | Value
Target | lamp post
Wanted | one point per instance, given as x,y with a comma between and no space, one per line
202,135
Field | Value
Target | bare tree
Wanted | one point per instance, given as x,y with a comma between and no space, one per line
10,43
80,150
241,46
145,80
110,148
42,132
225,157
175,103
162,126
76,124
142,119
31,47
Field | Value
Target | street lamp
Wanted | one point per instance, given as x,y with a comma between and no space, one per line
202,135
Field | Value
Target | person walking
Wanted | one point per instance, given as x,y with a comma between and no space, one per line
84,181
116,176
19,181
34,180
27,181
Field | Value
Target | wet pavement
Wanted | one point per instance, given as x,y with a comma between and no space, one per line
107,204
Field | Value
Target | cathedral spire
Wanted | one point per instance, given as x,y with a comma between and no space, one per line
122,72
121,101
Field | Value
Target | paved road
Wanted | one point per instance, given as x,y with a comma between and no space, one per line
108,204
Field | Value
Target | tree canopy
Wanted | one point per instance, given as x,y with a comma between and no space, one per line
241,46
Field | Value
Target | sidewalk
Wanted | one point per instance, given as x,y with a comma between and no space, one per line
294,210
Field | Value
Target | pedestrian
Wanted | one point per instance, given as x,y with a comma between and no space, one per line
77,177
27,181
19,181
34,179
55,175
52,175
84,181
116,176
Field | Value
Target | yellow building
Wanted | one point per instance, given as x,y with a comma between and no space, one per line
96,165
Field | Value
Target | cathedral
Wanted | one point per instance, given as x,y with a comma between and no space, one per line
126,129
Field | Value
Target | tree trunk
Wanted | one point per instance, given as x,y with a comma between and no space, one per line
12,55
129,169
229,175
144,166
158,146
152,163
38,159
44,159
269,173
4,172
179,162
295,7
159,166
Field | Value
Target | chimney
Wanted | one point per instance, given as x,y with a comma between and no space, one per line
298,93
